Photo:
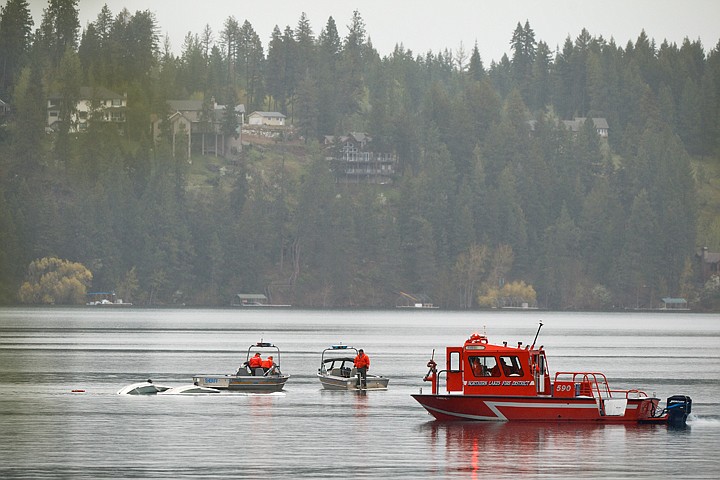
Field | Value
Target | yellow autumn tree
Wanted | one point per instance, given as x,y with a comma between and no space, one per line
512,294
52,280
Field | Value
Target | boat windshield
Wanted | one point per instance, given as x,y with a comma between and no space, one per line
484,366
511,366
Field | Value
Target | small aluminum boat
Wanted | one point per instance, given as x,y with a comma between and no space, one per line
337,371
247,379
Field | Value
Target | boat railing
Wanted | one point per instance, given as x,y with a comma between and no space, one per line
631,394
437,380
589,384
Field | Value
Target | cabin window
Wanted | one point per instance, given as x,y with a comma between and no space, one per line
484,366
454,361
511,366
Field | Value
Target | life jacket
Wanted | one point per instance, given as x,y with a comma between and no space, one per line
255,362
267,364
362,360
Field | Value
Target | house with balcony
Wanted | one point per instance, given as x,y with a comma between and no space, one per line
354,160
94,103
200,126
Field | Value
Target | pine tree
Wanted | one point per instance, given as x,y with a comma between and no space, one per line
59,29
15,35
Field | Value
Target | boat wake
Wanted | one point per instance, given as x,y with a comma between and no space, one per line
700,422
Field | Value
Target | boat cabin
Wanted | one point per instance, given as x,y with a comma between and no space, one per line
481,368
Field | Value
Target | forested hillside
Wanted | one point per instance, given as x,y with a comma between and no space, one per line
494,202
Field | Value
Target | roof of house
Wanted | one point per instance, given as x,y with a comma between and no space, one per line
251,296
674,301
192,110
268,114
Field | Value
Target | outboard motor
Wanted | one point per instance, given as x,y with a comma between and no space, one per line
678,409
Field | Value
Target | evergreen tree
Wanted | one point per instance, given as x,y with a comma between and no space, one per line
59,29
68,93
307,108
631,270
476,71
15,35
250,60
30,118
328,51
352,65
561,265
524,47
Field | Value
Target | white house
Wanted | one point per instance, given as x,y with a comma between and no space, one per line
275,119
96,102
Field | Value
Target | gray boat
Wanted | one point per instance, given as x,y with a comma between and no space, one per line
337,371
247,379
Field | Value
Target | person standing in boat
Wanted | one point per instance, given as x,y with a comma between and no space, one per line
362,363
255,362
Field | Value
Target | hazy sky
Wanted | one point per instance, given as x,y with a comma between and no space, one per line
424,25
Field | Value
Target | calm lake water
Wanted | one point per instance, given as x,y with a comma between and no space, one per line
47,431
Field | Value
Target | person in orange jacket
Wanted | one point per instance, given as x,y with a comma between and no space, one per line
268,364
255,362
362,363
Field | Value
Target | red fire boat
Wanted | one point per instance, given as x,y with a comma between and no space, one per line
488,382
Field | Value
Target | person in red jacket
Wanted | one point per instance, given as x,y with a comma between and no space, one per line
255,362
362,363
268,365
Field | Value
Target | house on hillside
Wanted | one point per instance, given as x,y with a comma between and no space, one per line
94,103
574,125
271,119
202,125
600,124
354,160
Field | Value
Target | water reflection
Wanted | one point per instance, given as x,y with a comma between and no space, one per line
555,450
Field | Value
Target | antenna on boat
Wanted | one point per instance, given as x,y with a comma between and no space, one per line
536,335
